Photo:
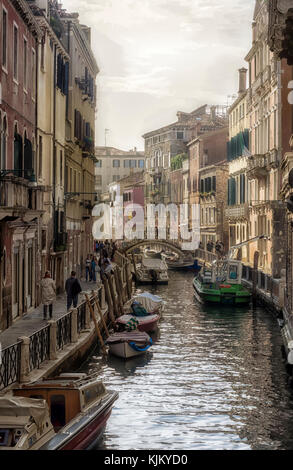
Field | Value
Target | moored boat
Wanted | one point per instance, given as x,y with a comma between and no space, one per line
127,344
153,304
221,284
149,253
146,323
152,271
68,412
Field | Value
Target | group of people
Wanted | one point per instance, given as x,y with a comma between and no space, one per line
95,268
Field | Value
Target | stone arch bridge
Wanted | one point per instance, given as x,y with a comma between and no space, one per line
158,245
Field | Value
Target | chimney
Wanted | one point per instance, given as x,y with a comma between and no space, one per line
213,113
242,80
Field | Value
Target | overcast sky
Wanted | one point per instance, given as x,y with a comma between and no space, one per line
157,57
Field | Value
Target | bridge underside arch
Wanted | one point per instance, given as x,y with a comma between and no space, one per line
164,244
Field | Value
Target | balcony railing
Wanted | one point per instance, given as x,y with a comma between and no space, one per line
17,193
238,211
258,165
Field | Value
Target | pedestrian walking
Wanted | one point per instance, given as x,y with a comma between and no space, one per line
88,268
73,288
93,269
48,293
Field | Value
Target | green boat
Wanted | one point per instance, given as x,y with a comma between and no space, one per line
221,284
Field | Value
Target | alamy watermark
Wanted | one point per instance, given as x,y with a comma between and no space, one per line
155,221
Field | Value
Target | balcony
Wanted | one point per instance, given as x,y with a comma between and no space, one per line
19,198
259,165
240,211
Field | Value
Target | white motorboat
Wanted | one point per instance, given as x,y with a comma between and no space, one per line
128,344
152,271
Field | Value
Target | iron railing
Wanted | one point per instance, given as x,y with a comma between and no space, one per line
81,317
10,365
64,330
39,348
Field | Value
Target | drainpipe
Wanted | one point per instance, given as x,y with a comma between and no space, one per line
54,148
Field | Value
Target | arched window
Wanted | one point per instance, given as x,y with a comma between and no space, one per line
18,151
28,157
3,143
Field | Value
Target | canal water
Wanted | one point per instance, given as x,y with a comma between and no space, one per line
214,380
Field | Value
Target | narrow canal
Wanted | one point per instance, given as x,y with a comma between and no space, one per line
214,379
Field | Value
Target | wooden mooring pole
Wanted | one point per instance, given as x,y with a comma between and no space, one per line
109,299
101,315
96,324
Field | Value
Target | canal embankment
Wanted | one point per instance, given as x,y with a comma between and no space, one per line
33,349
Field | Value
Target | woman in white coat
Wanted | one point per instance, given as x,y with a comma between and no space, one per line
48,291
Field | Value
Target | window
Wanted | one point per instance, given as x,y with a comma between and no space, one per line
75,181
140,163
43,53
33,74
3,143
15,52
99,164
25,64
126,163
116,163
99,180
180,135
4,38
58,417
61,166
40,155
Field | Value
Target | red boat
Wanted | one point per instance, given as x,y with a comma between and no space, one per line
146,323
79,407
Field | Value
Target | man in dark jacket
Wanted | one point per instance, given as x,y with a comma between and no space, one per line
73,288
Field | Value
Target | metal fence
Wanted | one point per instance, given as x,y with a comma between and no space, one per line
81,317
10,365
64,330
39,348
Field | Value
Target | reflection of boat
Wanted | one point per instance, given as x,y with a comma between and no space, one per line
146,323
68,412
152,271
221,284
128,344
127,368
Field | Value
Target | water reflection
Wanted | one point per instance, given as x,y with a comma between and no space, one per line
214,379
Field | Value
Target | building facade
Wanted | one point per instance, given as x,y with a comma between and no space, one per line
53,66
213,202
280,35
266,211
237,152
21,200
114,164
75,230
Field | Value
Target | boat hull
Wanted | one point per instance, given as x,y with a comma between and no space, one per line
150,282
86,431
146,326
124,351
236,295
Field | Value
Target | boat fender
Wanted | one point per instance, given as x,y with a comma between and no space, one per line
136,348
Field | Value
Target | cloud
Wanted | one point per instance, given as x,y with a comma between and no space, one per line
157,55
